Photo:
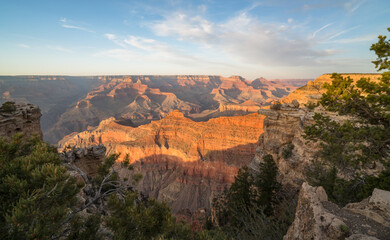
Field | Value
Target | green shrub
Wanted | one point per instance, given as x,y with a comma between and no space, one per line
8,107
287,151
276,105
311,105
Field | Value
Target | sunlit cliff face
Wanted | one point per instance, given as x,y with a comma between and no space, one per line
179,157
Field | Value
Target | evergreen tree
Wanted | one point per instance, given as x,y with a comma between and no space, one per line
36,192
267,184
360,142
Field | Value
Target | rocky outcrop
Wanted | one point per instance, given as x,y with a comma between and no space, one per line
282,138
313,90
317,218
53,94
183,162
20,118
87,159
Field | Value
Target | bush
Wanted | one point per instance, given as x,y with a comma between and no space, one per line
276,105
287,151
36,193
311,105
8,107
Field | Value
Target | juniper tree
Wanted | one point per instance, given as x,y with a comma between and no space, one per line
364,139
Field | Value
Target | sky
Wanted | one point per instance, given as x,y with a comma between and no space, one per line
271,39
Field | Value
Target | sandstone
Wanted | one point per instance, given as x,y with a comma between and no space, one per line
183,162
316,218
376,207
25,119
313,90
87,159
143,99
282,129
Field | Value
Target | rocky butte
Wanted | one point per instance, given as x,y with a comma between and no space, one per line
183,162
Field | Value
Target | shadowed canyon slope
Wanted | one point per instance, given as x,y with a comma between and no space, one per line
137,100
183,162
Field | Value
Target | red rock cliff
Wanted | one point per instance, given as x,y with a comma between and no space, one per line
183,162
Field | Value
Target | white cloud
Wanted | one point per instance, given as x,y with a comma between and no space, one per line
76,27
242,37
65,23
365,38
320,29
110,36
140,49
22,45
60,48
342,32
353,5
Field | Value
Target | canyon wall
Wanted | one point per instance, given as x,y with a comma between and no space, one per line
23,118
183,162
137,100
313,90
282,138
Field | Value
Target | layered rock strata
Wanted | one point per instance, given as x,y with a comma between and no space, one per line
183,162
141,99
313,90
282,138
25,119
317,218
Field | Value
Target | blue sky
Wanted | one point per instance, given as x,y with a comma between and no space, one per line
271,39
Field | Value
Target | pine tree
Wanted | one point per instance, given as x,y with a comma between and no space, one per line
360,142
36,192
267,184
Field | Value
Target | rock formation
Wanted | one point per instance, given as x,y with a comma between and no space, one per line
317,218
140,99
87,159
53,94
282,138
313,90
20,118
183,162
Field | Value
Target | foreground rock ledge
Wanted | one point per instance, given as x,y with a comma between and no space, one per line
317,218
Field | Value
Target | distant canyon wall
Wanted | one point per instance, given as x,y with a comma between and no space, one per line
71,104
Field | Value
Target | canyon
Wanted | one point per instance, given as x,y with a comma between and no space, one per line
187,163
71,104
183,162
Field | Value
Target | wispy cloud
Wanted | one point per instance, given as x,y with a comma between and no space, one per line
22,45
320,29
60,48
110,36
136,48
353,5
242,37
65,23
365,38
342,32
